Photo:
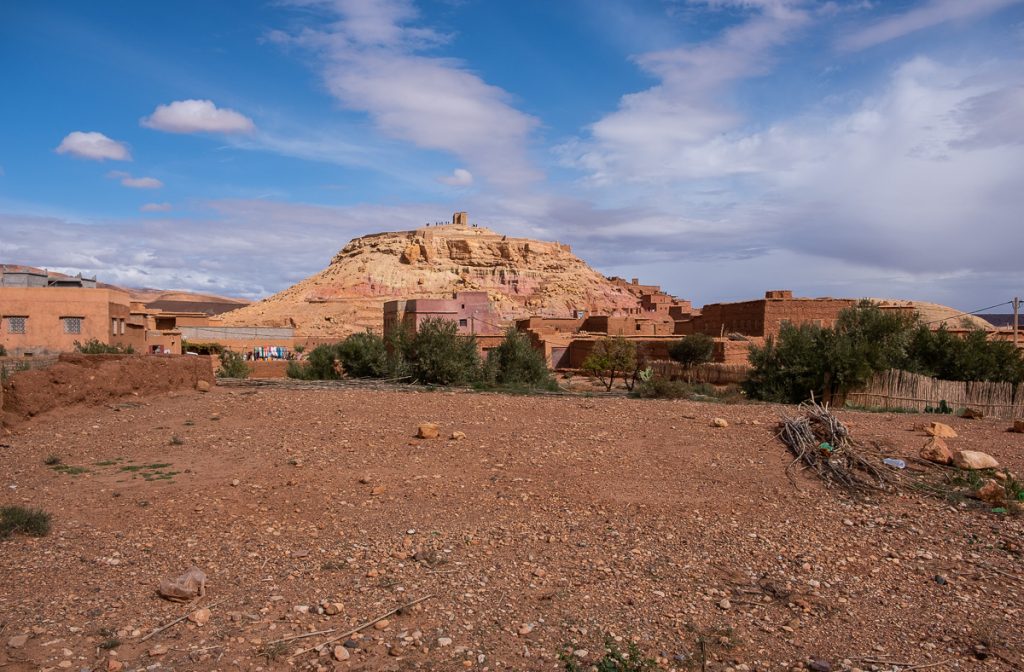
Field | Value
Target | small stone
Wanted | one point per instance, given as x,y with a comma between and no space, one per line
725,603
444,641
525,629
458,436
17,641
200,617
333,608
235,483
936,450
819,665
203,386
941,580
382,625
974,459
428,430
378,490
719,422
992,493
581,653
941,430
157,651
301,608
65,664
114,665
1018,427
341,653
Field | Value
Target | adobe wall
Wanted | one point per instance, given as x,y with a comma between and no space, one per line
819,312
98,379
45,306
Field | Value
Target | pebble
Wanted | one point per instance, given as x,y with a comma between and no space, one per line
444,641
382,625
525,629
17,641
725,603
341,653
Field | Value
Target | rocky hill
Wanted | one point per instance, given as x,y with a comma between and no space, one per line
521,276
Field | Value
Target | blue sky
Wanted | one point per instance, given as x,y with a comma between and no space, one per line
718,147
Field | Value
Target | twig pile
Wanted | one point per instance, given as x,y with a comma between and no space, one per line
823,443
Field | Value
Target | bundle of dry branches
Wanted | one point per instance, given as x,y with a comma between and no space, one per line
823,444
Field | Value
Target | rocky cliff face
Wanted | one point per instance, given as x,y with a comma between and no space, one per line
522,277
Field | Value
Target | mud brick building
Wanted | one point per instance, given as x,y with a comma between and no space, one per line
762,318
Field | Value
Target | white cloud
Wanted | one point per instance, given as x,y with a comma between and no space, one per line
93,145
928,15
197,116
156,207
371,63
460,177
135,182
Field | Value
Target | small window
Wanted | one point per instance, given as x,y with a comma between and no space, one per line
16,325
72,325
463,323
122,327
113,326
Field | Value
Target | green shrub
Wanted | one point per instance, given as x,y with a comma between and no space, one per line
516,362
324,362
19,520
614,660
436,354
94,346
3,351
692,350
363,355
202,348
611,358
232,365
297,370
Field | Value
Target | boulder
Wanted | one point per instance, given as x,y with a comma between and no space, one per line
1018,426
428,430
458,436
719,422
203,386
972,414
974,459
941,430
992,493
936,450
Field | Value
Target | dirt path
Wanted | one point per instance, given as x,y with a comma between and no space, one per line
554,522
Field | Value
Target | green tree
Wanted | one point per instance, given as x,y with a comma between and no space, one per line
788,368
692,350
364,355
516,362
438,355
94,346
611,358
323,363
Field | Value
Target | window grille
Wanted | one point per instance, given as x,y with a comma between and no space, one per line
72,325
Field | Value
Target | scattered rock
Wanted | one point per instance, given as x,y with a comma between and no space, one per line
200,617
940,430
458,436
1018,426
524,629
203,386
972,414
114,665
444,641
341,653
974,459
428,430
235,483
378,490
992,493
936,450
719,422
190,584
17,641
157,651
819,665
333,608
382,625
725,603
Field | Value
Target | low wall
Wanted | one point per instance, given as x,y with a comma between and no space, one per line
97,379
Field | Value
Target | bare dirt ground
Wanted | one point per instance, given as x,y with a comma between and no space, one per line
555,522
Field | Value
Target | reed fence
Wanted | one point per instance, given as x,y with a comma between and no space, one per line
897,389
712,373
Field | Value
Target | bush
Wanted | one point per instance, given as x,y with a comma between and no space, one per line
516,362
202,348
611,358
614,659
363,355
436,354
3,351
18,519
94,346
232,365
809,360
692,350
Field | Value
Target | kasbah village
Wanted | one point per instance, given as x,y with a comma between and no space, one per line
192,482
